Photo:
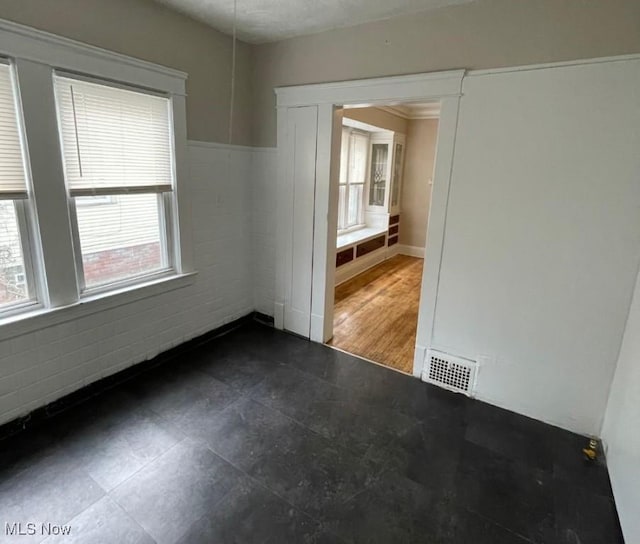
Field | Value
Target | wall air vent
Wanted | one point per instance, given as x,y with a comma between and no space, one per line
450,372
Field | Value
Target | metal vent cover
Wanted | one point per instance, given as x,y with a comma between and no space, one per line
450,372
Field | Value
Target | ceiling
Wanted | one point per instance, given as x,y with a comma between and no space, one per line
261,21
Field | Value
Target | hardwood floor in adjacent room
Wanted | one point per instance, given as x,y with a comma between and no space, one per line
376,313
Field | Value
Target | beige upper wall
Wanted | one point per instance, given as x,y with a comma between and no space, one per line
378,118
422,135
149,31
482,34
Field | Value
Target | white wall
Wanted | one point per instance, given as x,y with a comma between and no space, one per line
621,430
542,239
39,367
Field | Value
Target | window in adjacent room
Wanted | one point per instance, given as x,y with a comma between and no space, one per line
118,158
16,275
353,173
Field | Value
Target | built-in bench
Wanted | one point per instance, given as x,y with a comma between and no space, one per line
359,250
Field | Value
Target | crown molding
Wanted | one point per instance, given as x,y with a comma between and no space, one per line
423,111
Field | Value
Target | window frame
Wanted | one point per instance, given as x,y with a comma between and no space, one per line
165,202
24,213
166,248
44,217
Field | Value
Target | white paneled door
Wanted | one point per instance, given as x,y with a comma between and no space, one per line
298,173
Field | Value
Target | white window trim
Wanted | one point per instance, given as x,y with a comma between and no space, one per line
36,55
19,41
353,228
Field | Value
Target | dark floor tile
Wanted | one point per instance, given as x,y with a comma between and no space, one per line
112,438
27,448
571,466
103,523
443,411
509,493
460,526
321,361
239,370
171,493
269,343
251,514
391,510
52,489
312,473
247,431
423,456
389,389
252,337
356,425
585,518
182,396
396,510
510,434
592,477
366,452
295,393
329,411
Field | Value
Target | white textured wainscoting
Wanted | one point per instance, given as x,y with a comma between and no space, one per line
263,227
42,366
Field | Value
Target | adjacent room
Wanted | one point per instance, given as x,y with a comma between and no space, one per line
319,272
386,174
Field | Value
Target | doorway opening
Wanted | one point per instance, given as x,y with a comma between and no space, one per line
387,158
309,147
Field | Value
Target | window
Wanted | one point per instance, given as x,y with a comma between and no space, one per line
16,285
118,162
90,190
353,171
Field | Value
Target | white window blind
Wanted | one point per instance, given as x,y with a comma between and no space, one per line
114,140
13,184
353,172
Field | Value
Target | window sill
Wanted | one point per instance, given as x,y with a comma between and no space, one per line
41,318
355,237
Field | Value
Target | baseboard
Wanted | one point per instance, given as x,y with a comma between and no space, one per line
263,318
278,315
412,251
419,357
40,415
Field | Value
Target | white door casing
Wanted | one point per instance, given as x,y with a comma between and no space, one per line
307,203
